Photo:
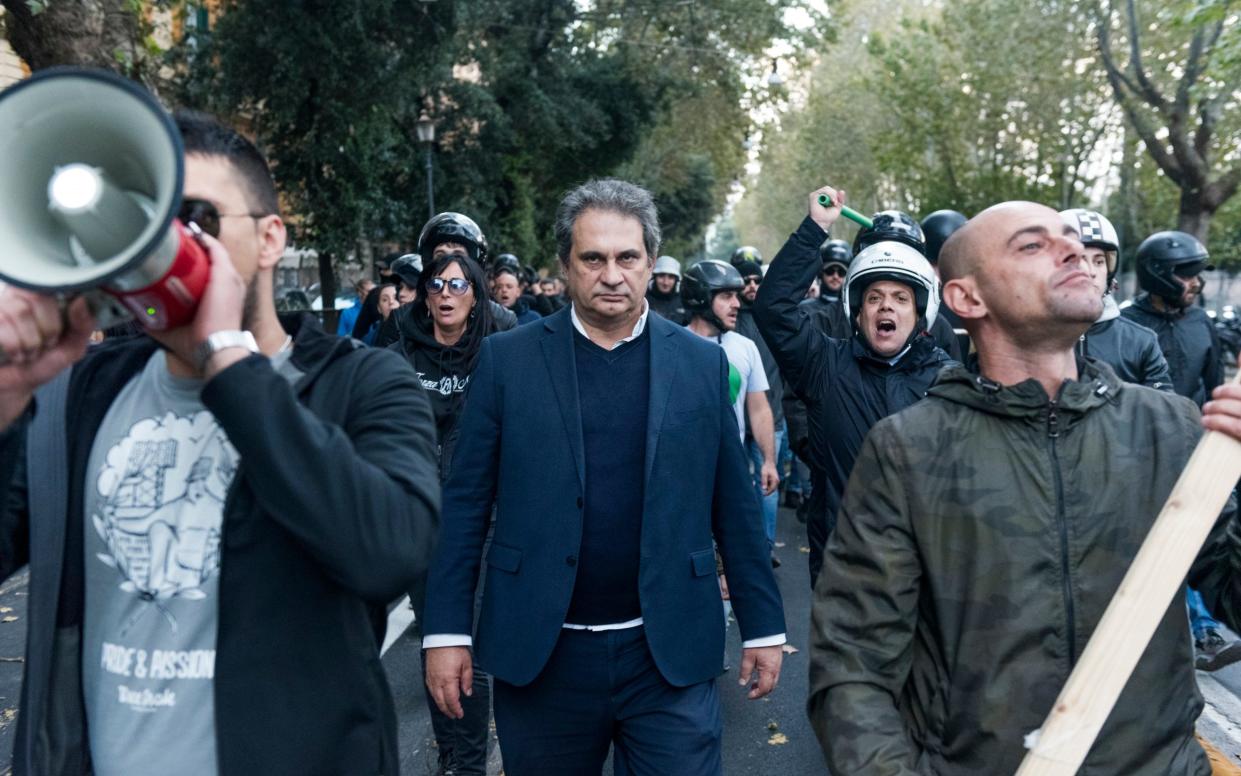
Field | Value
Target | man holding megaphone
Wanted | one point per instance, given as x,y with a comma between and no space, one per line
213,515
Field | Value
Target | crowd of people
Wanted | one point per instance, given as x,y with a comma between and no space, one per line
570,474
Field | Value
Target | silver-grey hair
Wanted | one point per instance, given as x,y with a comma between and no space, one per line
610,194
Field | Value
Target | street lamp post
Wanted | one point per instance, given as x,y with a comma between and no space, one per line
424,128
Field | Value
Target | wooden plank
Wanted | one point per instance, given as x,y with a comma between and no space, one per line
1148,588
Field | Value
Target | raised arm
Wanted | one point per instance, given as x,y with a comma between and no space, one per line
801,350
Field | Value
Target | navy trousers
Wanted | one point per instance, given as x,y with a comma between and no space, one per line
601,689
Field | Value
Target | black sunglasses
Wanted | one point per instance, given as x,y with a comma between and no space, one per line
455,286
207,216
752,280
834,270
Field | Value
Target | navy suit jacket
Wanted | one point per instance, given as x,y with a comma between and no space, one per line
520,448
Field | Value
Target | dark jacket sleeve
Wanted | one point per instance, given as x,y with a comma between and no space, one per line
800,349
737,524
863,617
505,318
795,418
362,499
1213,370
15,518
468,497
1155,372
389,331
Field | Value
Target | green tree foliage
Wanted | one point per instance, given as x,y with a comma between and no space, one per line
531,98
1174,69
967,103
955,107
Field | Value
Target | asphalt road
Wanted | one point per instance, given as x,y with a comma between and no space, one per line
771,736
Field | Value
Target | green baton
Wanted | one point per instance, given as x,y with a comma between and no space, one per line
848,212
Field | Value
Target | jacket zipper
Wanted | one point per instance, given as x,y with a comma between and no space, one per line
1053,433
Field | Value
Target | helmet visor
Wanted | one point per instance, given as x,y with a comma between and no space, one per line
1190,269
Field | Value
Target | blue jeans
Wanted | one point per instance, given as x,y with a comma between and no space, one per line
772,502
1200,620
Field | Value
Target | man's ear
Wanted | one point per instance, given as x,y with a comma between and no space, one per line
272,241
962,297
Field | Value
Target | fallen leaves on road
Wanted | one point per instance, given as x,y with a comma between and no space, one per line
10,618
805,550
777,738
789,649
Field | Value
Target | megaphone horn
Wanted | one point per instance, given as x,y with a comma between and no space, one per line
91,170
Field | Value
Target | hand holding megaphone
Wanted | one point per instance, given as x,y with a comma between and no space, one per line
40,337
91,171
221,308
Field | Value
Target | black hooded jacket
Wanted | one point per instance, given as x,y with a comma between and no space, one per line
1187,339
846,388
444,371
668,306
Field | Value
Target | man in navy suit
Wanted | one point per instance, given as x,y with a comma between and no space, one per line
601,619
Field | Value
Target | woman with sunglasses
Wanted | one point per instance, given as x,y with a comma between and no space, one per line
440,336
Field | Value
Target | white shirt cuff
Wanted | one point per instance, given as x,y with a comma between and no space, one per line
766,641
446,640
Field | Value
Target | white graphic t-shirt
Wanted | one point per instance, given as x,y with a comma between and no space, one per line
159,471
745,373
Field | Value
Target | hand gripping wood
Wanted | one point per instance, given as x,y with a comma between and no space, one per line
1153,580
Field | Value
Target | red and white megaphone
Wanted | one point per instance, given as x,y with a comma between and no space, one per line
91,169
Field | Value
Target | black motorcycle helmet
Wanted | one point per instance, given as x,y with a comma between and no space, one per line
506,260
1165,254
835,252
453,227
891,226
937,228
746,253
702,282
408,269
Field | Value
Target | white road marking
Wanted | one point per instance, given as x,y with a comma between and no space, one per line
399,620
1220,722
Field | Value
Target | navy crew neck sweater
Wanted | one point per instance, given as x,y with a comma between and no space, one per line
613,391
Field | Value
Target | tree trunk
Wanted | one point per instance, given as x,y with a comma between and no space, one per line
1128,211
1194,218
327,291
91,33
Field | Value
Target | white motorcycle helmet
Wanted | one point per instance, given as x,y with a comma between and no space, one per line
666,265
896,262
1096,232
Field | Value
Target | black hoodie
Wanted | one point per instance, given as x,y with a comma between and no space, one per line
444,371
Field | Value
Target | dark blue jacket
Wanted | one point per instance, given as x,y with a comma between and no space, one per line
520,448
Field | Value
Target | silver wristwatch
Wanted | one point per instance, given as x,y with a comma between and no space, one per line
223,340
